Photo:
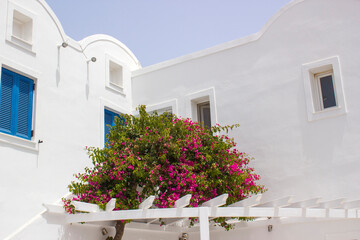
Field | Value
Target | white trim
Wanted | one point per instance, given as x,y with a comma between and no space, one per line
106,38
19,142
198,97
20,68
19,230
309,70
220,47
54,18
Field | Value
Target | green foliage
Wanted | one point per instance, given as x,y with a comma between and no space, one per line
168,157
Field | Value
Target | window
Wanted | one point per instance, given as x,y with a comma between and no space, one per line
22,26
204,116
324,92
116,74
110,121
201,107
16,103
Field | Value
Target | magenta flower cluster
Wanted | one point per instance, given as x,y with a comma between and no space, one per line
168,157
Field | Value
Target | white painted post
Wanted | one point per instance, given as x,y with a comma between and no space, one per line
204,223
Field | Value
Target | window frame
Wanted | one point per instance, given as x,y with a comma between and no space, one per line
111,106
314,105
318,88
13,131
199,97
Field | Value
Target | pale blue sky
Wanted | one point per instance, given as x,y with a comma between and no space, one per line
158,30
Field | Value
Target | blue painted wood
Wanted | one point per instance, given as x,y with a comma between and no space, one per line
6,93
16,103
24,115
109,122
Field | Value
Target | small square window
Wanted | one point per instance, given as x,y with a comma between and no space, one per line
201,107
16,104
324,92
22,26
116,74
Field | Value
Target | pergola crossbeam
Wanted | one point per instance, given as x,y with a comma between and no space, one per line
310,209
281,202
216,202
54,208
85,207
353,204
183,202
110,205
147,203
306,203
248,202
333,203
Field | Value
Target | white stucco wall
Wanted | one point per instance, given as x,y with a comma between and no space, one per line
256,82
69,111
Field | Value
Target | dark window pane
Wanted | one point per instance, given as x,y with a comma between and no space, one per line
204,115
327,91
207,118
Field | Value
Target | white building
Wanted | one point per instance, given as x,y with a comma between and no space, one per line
277,84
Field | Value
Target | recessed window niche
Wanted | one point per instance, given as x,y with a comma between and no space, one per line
324,92
21,24
115,74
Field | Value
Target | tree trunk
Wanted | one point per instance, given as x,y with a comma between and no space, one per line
120,226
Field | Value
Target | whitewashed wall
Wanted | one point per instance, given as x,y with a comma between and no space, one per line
70,100
256,82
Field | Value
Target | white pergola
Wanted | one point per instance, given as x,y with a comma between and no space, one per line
179,215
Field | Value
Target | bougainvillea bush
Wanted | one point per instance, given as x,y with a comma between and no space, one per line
167,157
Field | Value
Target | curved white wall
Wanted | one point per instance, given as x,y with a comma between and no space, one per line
259,84
256,81
70,100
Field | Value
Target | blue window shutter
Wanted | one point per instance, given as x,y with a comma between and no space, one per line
108,122
24,113
6,96
16,100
